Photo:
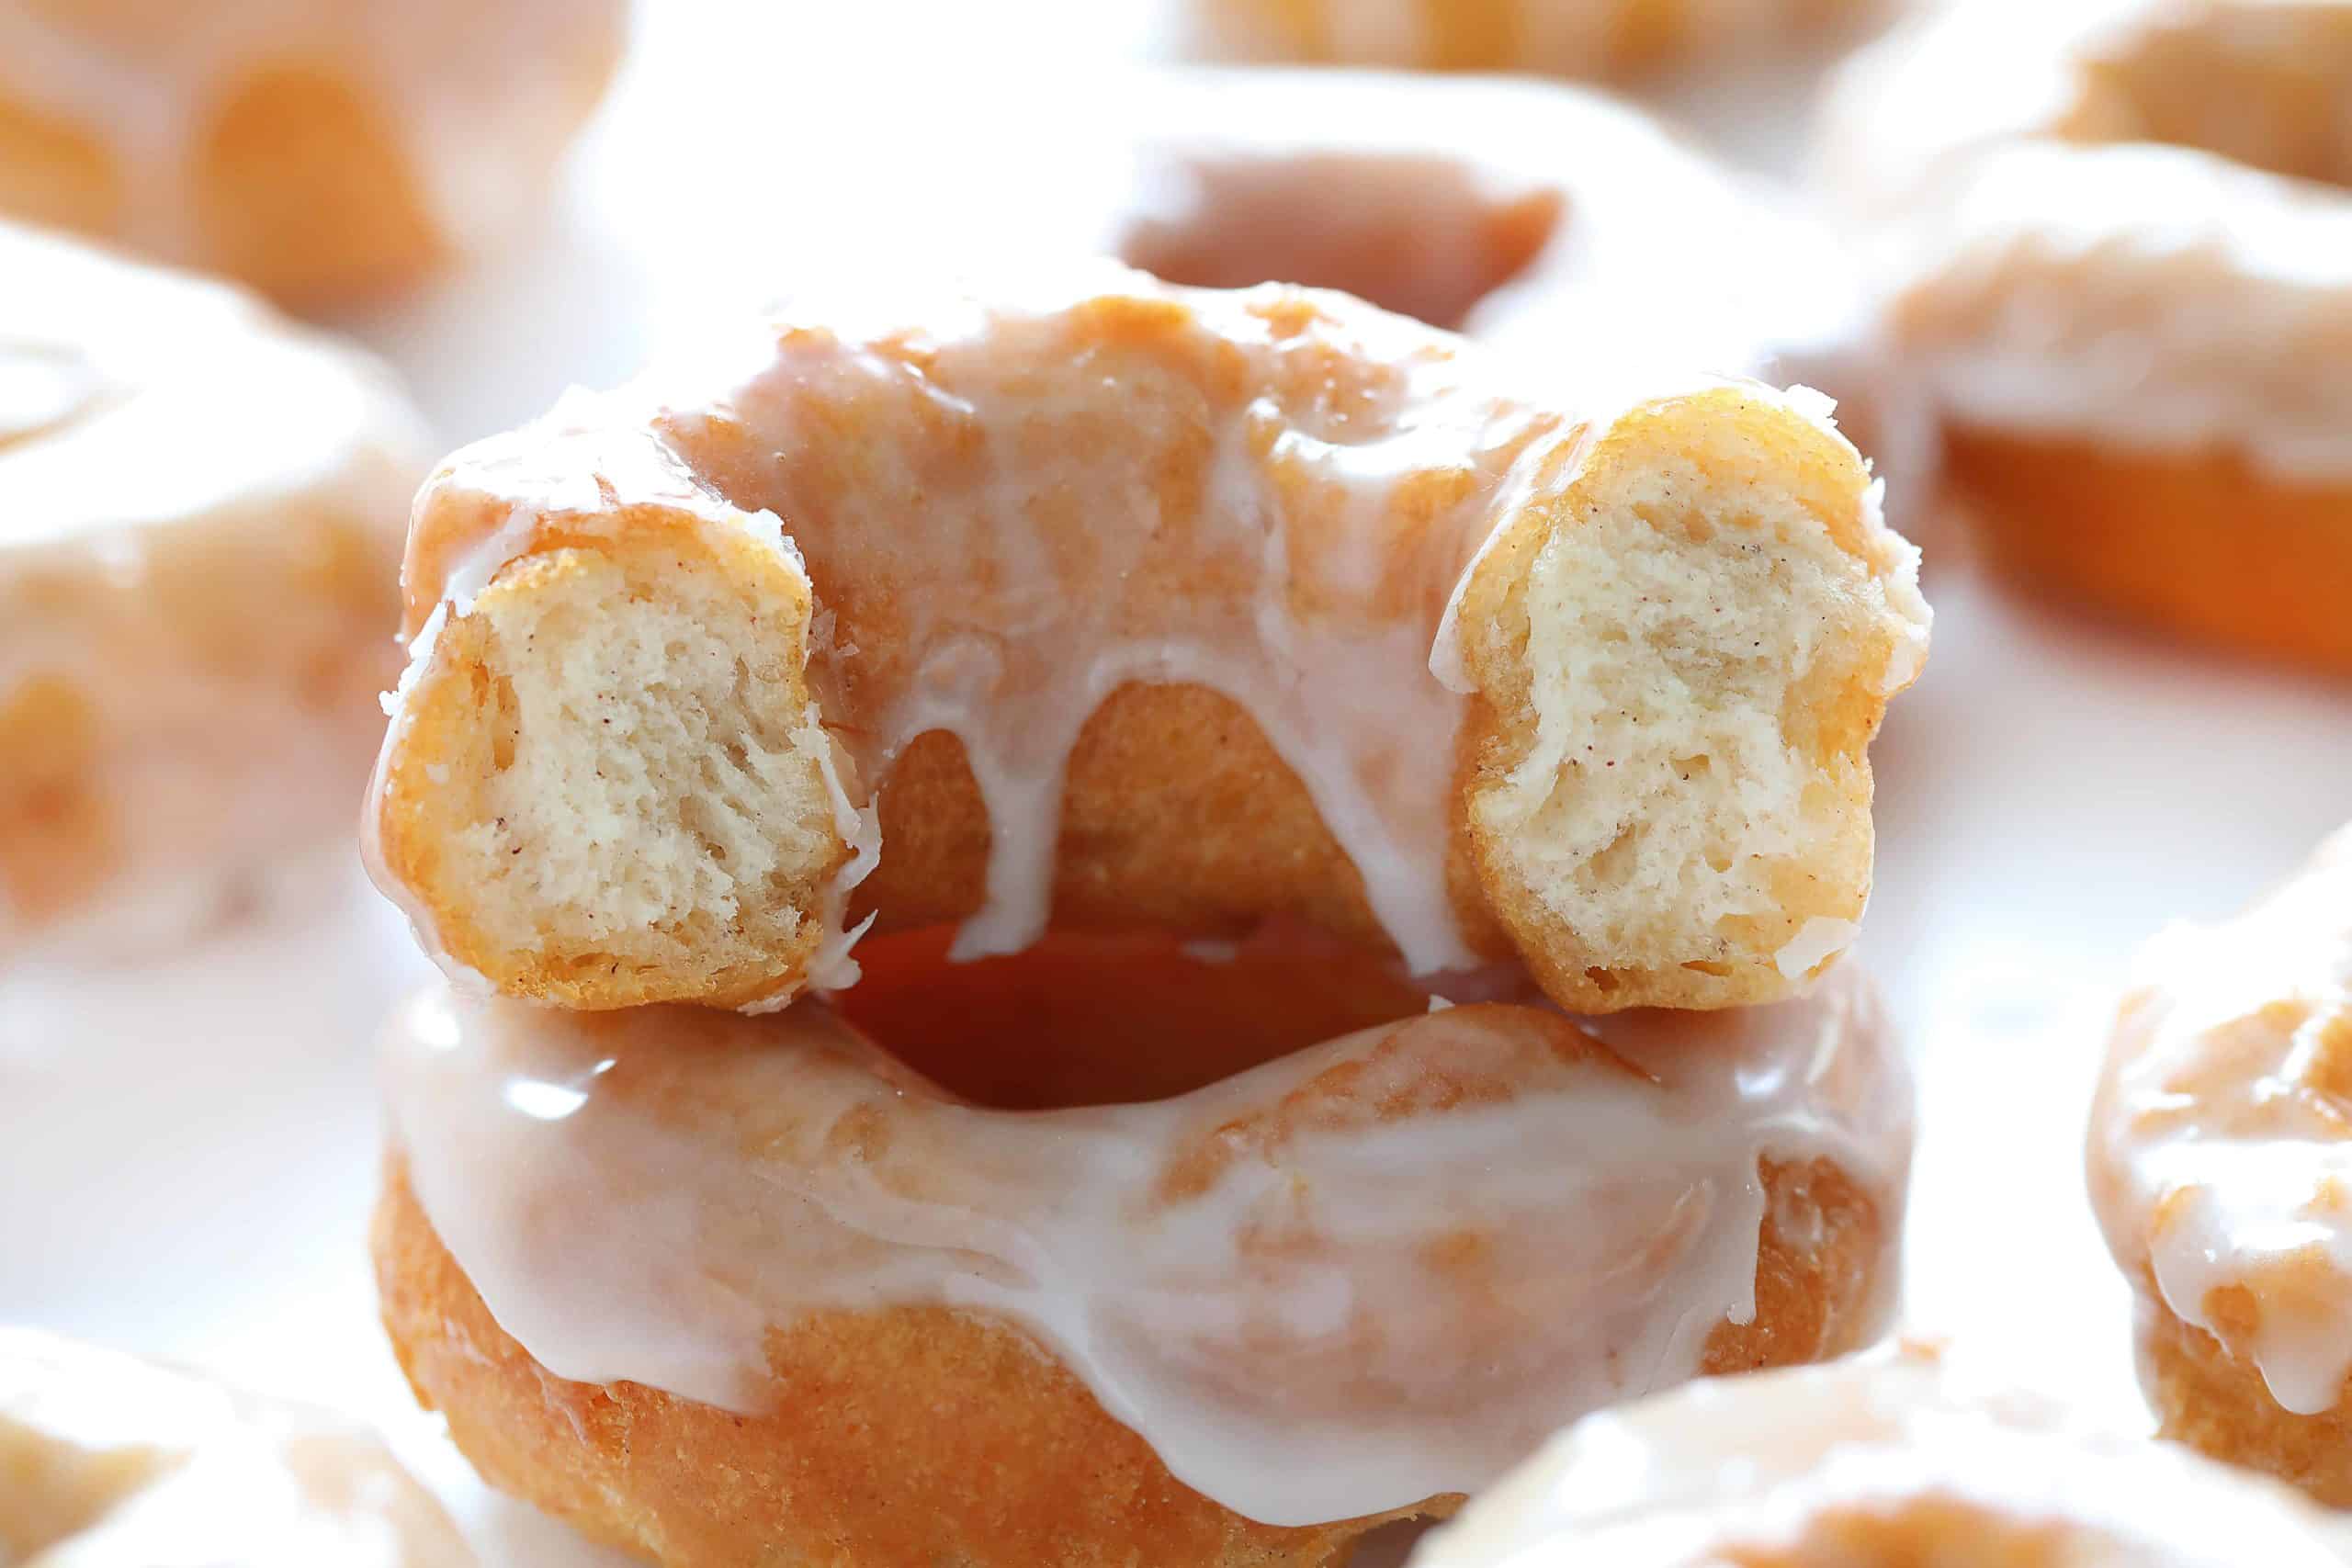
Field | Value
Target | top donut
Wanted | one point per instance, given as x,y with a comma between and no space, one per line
1142,606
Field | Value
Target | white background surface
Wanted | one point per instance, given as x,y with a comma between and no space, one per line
188,1150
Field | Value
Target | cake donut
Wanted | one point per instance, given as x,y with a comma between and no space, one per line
1144,606
1888,1460
2115,251
108,1462
1544,219
2220,1165
1567,37
724,1289
317,149
201,517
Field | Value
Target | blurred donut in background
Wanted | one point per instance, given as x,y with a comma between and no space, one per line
108,1459
1900,1458
2221,1167
1528,215
1555,224
2113,243
1604,38
317,149
201,510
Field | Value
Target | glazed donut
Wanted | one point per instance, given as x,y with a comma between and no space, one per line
1889,1460
723,1290
203,509
2116,254
1544,221
2220,1165
317,149
1151,607
107,1461
1566,38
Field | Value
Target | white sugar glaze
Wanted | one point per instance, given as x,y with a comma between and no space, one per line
1789,1468
2044,271
1013,620
2220,1151
110,1463
480,92
1268,1303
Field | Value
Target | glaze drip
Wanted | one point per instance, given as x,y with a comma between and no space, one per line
2222,1147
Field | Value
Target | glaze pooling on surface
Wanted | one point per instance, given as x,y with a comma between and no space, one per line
2221,1154
1408,1252
1052,570
1884,1459
2049,267
110,1463
479,94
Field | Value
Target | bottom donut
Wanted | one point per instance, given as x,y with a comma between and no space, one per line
721,1289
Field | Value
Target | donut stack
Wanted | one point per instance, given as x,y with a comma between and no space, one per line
1059,901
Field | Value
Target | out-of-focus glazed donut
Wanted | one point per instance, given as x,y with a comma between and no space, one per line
314,149
1566,38
107,1461
2220,1164
1544,221
1890,1460
200,514
726,1290
1151,607
2115,245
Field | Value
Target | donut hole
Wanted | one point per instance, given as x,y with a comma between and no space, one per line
1424,236
2262,86
1081,1019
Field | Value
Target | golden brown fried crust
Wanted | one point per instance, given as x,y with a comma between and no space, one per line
923,1435
303,191
2218,1405
2202,546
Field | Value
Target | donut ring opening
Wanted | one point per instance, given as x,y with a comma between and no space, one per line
2265,92
1427,236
